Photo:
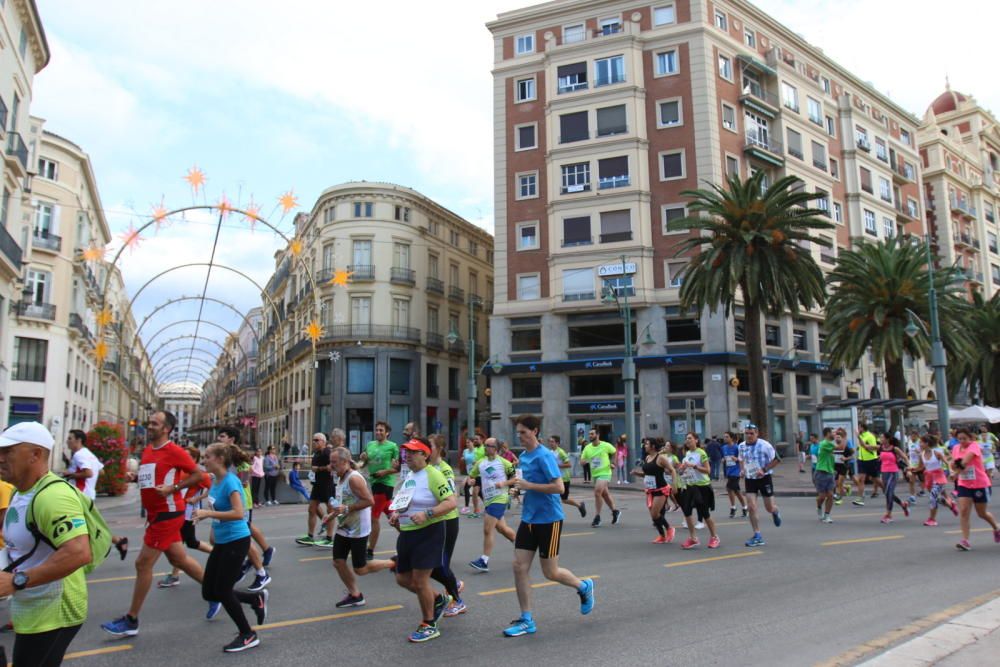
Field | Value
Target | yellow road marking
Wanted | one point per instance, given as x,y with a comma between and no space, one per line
577,534
972,530
854,655
110,579
862,539
98,651
328,617
329,557
713,558
498,591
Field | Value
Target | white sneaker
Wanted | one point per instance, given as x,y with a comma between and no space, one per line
827,519
699,526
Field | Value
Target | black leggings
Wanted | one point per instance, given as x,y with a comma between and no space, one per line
255,489
586,471
443,574
271,488
222,571
43,649
467,491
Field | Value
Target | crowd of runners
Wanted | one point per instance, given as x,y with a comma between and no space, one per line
417,492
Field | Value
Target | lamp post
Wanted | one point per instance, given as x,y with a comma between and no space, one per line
787,355
611,294
939,360
472,389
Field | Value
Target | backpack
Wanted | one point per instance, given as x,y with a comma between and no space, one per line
97,529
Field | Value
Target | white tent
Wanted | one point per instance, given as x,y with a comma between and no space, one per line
975,413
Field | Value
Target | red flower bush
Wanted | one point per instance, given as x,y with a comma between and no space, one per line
107,442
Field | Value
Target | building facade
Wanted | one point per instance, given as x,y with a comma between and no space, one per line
395,338
605,112
25,52
183,400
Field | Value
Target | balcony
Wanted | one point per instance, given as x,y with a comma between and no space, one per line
864,145
756,98
579,296
435,285
17,149
903,173
962,207
297,349
796,152
43,240
609,182
458,347
616,237
361,272
110,367
37,311
456,294
435,341
762,147
11,253
403,276
76,322
962,239
976,244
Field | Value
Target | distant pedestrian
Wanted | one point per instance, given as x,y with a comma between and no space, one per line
621,460
714,450
272,470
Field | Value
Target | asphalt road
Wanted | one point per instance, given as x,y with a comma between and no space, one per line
813,592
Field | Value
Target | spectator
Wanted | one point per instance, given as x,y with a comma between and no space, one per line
272,470
621,460
714,450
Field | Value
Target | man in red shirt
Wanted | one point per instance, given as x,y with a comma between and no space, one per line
161,482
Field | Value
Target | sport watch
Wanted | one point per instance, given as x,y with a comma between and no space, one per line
20,580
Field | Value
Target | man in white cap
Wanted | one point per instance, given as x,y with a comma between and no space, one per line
48,616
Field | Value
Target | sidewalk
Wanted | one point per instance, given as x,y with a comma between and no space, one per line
130,497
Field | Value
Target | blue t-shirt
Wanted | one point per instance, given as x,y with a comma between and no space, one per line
813,453
731,453
221,494
541,467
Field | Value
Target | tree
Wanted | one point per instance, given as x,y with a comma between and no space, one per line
752,244
981,368
876,289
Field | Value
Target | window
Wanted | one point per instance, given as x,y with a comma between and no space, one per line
831,126
866,179
904,136
666,62
991,241
402,213
48,169
740,336
578,284
824,84
616,226
44,217
453,382
529,387
612,172
611,121
834,167
573,127
670,113
433,266
575,177
454,238
732,167
572,77
888,227
525,340
728,117
576,231
525,137
675,273
433,319
361,310
664,15
525,89
819,155
363,209
750,38
527,236
725,67
433,390
672,212
686,381
802,385
401,255
683,331
772,335
362,253
527,185
799,339
995,272
672,165
401,313
861,134
838,212
22,46
29,359
912,207
39,285
608,71
360,376
574,33
795,143
329,214
528,287
597,385
870,223
720,20
525,44
815,111
611,25
790,96
823,201
885,189
881,152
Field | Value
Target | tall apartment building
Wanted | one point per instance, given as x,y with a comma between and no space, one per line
182,399
23,53
417,271
247,389
605,112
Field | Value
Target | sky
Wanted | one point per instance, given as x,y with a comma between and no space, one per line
267,97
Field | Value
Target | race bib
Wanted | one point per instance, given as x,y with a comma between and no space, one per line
968,474
813,457
401,500
838,457
730,461
595,462
649,481
147,476
753,470
404,471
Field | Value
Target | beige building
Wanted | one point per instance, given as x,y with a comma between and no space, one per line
23,53
416,269
605,112
183,400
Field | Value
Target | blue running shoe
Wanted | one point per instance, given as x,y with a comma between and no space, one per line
268,555
776,515
479,564
425,633
586,594
755,541
519,627
213,610
441,602
121,627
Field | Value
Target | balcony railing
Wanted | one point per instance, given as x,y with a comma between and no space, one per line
435,341
10,249
615,237
403,276
576,187
456,293
766,143
46,241
458,347
752,89
38,311
17,149
864,145
609,182
362,272
76,322
435,285
363,332
569,85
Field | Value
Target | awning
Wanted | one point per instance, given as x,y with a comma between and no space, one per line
877,403
750,61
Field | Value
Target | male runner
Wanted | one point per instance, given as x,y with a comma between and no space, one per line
353,510
84,467
868,465
319,497
494,472
757,459
823,476
598,454
565,465
381,456
731,468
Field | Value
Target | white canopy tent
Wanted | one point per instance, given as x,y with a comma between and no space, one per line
975,413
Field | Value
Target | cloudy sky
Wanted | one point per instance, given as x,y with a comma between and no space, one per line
267,97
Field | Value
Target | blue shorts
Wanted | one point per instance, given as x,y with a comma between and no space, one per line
978,495
496,510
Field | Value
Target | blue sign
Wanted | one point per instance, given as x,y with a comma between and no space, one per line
437,424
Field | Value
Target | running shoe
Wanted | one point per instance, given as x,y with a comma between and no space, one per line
583,510
424,633
931,523
596,522
275,502
827,518
912,499
268,556
122,627
922,493
963,545
670,534
586,593
776,515
887,519
819,512
168,581
369,554
213,610
690,543
699,526
122,547
441,603
464,511
996,536
838,501
242,643
260,607
858,503
616,517
745,512
351,601
714,542
954,509
475,515
259,583
906,509
519,627
324,543
455,608
480,564
732,512
305,540
756,541
660,539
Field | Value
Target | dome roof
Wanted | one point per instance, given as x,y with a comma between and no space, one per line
947,101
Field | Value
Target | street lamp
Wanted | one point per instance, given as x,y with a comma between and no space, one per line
472,390
610,295
939,360
790,356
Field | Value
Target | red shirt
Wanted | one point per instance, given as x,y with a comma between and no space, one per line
159,466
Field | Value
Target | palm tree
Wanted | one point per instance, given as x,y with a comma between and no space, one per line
981,369
876,289
752,244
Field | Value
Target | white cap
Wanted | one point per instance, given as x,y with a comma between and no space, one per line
30,433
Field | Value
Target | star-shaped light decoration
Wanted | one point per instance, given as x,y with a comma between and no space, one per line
131,238
340,278
252,213
314,330
288,201
94,252
104,318
224,205
195,178
295,247
100,352
160,215
334,356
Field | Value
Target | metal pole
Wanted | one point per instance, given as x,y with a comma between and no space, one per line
770,399
939,360
628,374
470,429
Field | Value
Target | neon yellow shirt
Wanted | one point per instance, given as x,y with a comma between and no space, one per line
599,458
491,471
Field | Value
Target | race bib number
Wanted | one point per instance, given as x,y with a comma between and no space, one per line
730,461
968,474
147,476
402,499
595,462
649,481
753,470
838,457
489,477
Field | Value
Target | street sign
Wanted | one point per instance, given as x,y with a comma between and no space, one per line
437,424
615,269
680,427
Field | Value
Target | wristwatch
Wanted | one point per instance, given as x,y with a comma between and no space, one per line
430,513
20,580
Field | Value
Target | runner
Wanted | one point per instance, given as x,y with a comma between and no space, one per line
823,476
566,466
868,465
48,584
257,558
161,497
231,535
468,486
697,494
914,478
843,457
757,459
932,465
444,574
973,485
352,508
598,454
494,473
84,467
670,450
988,443
192,501
418,511
540,528
731,468
319,497
654,468
890,454
381,456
